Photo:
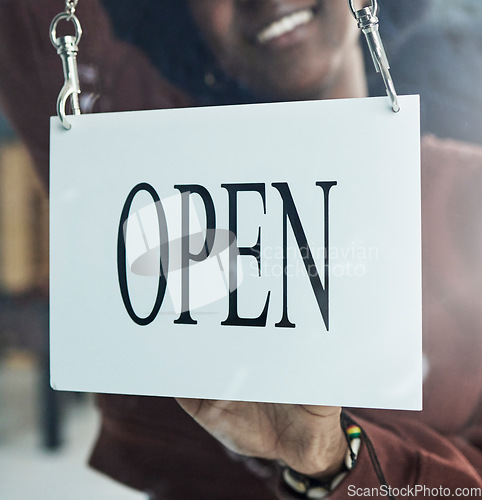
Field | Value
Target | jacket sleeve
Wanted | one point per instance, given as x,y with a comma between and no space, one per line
413,458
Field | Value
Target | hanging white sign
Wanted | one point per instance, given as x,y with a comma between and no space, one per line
260,253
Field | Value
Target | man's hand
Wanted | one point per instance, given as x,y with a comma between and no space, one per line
307,438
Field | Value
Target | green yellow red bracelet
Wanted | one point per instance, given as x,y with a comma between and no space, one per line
308,487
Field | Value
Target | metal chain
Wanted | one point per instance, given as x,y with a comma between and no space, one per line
70,6
374,7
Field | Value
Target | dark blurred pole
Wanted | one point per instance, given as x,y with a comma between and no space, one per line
48,398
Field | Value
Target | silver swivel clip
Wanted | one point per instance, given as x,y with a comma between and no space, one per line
368,22
67,48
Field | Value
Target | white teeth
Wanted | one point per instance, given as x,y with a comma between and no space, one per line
285,25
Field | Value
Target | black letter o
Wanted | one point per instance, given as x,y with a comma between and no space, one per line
121,255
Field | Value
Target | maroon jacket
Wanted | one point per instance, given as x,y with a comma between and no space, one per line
150,443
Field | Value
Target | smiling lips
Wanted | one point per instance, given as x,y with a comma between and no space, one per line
285,25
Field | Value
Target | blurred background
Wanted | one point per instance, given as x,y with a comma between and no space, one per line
45,437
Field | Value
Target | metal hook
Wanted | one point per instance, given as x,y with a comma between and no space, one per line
67,48
368,22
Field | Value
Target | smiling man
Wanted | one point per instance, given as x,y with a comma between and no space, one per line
301,49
